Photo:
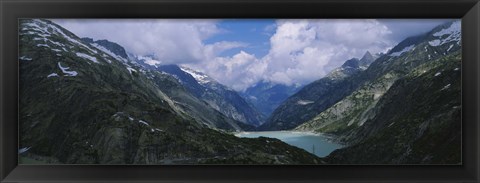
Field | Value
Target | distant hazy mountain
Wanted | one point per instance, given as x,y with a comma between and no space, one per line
267,96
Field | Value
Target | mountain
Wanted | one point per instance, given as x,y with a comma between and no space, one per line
216,95
110,48
407,109
183,99
318,95
267,96
397,132
226,100
81,105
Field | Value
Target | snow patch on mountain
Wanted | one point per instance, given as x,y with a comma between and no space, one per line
453,29
65,70
43,45
149,60
23,150
88,57
71,39
152,62
25,58
52,75
435,42
446,87
304,102
449,48
101,48
44,27
200,77
406,49
130,70
143,122
454,34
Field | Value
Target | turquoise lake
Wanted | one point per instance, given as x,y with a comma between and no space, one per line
316,143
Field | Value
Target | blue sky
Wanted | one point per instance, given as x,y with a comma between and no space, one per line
255,32
241,52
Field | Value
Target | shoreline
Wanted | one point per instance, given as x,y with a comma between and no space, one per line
328,137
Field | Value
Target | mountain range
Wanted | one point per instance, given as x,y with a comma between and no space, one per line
86,101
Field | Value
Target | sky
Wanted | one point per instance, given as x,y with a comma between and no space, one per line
241,52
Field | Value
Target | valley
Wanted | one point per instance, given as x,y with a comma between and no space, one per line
86,101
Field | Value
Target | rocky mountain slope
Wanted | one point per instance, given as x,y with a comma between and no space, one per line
417,121
202,87
318,96
216,95
81,105
408,108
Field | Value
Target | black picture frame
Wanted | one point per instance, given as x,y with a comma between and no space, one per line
12,10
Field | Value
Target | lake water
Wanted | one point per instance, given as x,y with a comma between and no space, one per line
319,144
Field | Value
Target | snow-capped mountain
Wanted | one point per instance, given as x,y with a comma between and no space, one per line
200,77
216,95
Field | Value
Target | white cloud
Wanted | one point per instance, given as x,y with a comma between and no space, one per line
171,41
402,28
214,49
238,71
303,51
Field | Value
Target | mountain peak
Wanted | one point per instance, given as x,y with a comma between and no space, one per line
367,55
353,63
201,78
367,59
111,48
